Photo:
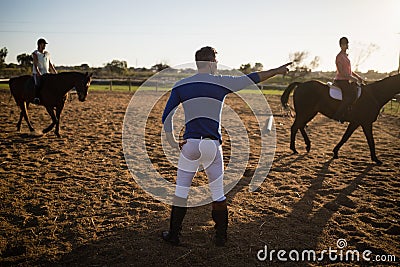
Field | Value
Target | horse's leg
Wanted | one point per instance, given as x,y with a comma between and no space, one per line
306,139
367,128
50,110
293,132
349,131
24,111
301,124
21,115
58,115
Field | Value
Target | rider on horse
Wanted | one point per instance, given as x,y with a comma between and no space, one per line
41,65
343,79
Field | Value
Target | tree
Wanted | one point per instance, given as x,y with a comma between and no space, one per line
258,67
84,66
117,66
363,53
247,68
301,68
25,60
3,54
159,67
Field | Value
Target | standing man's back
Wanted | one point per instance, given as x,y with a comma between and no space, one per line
202,96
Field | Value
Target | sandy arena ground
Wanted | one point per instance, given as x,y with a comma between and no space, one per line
71,201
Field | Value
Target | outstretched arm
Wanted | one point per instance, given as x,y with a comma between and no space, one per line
264,75
236,83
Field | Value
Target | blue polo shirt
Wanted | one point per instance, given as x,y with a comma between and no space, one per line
202,97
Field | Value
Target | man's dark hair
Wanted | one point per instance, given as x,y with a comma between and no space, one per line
41,41
343,40
205,54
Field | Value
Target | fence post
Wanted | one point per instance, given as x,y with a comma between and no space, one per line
129,81
110,85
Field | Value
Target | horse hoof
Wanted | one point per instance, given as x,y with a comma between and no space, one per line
308,148
377,161
335,156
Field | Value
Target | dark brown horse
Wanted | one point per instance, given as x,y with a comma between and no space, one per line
312,97
53,94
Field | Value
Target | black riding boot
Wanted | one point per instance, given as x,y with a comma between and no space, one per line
220,217
36,99
175,225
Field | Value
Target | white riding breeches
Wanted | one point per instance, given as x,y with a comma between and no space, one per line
205,152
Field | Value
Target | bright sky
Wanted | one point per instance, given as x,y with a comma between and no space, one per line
145,33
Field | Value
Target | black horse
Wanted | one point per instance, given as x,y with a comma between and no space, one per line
312,97
52,94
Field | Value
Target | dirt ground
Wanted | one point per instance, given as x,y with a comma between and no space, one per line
71,201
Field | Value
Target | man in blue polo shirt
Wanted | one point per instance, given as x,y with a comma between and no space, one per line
202,96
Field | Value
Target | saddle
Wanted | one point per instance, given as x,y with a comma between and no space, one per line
336,93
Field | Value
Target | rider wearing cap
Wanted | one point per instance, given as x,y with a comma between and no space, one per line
41,65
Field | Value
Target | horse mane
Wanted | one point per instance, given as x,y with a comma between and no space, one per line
67,75
71,72
385,80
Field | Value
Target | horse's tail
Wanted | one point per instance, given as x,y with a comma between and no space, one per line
286,94
11,83
11,80
18,85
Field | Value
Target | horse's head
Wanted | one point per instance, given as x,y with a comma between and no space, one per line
82,86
